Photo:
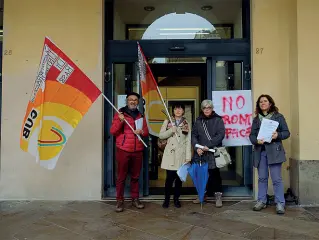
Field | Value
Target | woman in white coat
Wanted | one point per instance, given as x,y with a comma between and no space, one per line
176,153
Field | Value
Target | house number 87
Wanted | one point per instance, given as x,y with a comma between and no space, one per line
259,50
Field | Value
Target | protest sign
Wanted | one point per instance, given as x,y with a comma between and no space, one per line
235,107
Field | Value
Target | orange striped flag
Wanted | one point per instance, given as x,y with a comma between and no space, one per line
61,96
154,107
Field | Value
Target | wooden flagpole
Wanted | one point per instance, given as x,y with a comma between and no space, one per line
139,137
157,88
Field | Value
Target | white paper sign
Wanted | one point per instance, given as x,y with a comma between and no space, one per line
139,123
235,107
267,128
121,101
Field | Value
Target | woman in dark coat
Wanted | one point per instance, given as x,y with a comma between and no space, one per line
209,131
269,155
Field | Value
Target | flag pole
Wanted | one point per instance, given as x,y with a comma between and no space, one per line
157,88
169,116
139,137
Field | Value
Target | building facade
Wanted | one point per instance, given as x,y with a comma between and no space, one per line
263,45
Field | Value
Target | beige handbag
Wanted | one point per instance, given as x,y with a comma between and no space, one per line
222,157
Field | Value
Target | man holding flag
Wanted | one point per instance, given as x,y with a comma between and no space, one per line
61,96
129,154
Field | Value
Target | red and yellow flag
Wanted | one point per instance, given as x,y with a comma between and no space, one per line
61,96
154,107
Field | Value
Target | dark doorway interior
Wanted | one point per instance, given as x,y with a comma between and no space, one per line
175,75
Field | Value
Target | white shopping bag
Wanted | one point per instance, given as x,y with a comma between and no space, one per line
183,171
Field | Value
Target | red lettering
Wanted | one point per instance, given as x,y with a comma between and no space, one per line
228,100
242,133
226,119
237,133
245,119
248,131
242,100
234,119
231,132
227,132
242,119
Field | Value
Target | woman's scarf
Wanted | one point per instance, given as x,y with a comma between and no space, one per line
268,116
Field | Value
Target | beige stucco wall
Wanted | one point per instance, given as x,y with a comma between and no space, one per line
270,69
308,84
287,70
305,178
294,83
76,26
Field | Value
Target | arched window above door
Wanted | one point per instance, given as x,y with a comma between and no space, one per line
176,19
181,26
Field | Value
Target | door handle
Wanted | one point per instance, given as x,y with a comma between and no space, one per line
107,76
247,73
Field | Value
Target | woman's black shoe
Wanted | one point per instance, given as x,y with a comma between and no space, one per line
165,204
177,204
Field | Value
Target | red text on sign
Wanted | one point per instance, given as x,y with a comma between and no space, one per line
237,133
239,102
237,122
242,119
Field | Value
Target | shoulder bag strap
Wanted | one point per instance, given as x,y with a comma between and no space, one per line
206,131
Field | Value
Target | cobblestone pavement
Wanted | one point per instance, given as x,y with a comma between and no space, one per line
40,220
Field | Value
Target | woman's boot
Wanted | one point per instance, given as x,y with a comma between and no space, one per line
218,198
166,202
177,203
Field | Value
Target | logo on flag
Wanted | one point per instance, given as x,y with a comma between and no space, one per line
61,96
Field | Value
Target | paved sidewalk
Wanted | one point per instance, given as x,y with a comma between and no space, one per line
40,220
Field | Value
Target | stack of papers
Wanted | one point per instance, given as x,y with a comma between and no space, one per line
267,128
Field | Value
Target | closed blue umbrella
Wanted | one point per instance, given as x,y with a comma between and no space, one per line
199,175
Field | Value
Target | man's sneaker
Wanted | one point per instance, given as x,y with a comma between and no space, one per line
218,198
197,201
119,206
259,206
137,203
280,209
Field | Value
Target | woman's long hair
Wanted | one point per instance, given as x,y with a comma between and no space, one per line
272,109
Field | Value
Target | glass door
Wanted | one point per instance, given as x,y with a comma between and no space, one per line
181,80
234,74
184,80
120,79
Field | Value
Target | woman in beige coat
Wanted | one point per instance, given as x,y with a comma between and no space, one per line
176,153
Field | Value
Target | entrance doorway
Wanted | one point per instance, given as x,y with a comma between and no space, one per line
188,62
180,80
185,80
